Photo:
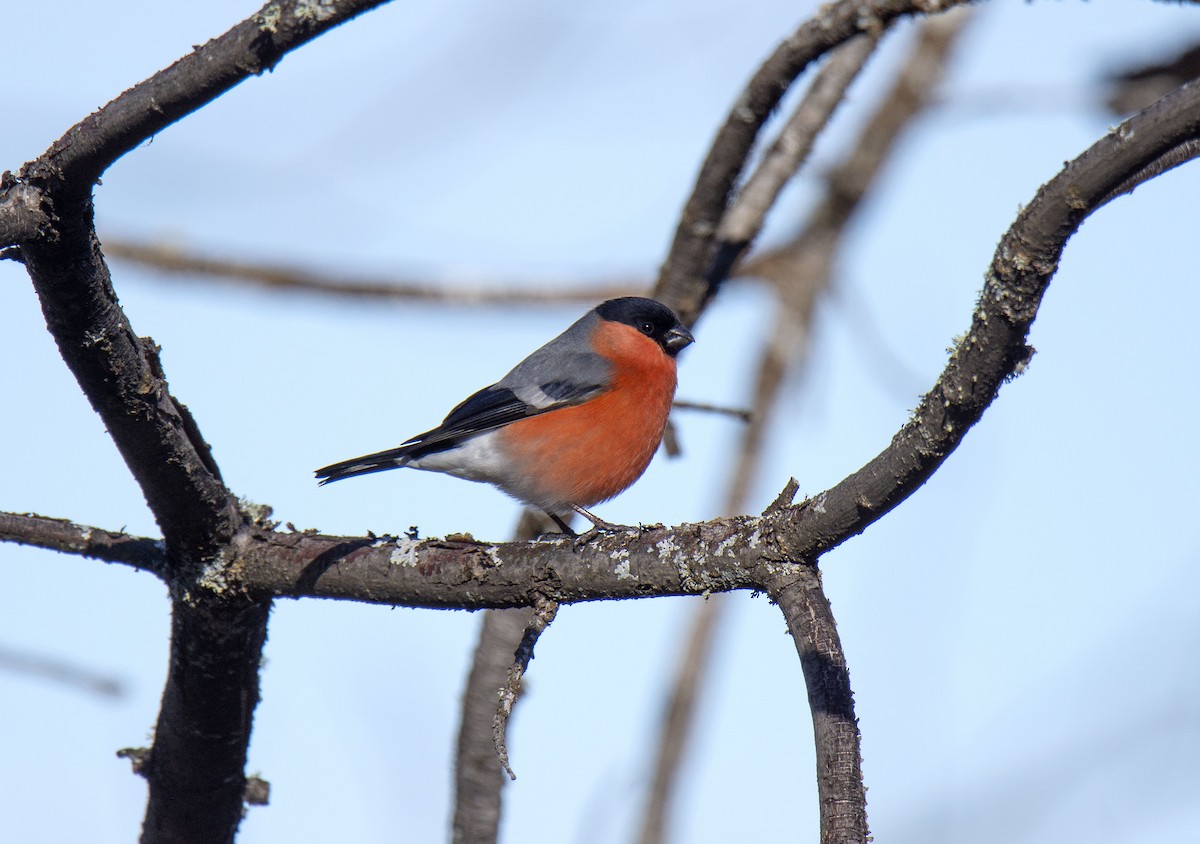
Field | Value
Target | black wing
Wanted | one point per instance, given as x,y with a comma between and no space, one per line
490,408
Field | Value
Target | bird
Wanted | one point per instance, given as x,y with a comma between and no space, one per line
573,425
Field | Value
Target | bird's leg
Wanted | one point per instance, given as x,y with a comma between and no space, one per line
598,525
563,526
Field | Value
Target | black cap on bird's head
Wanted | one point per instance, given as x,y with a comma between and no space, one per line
654,319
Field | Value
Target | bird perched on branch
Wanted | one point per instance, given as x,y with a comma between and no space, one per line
572,425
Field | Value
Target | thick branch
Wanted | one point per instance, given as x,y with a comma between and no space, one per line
454,573
118,371
797,591
22,217
196,767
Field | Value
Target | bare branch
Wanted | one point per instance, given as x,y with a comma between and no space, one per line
294,279
993,349
543,613
59,671
222,571
797,591
741,224
800,273
1185,152
744,220
695,267
802,270
255,45
196,767
478,774
739,413
139,552
455,573
22,217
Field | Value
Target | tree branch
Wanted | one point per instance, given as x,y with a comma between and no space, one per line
76,160
223,571
61,535
744,219
543,614
802,270
742,223
22,215
993,349
695,266
461,573
678,718
294,279
797,590
196,767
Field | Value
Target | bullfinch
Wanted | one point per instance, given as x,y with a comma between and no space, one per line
572,425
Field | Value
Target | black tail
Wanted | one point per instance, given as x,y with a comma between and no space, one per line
380,461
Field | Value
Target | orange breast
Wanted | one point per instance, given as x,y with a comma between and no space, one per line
589,453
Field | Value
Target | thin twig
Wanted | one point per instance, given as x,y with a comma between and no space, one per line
744,414
285,278
1185,152
544,611
59,671
744,220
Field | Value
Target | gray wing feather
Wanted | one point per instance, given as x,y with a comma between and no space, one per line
563,372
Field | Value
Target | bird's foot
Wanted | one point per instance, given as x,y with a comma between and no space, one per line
599,527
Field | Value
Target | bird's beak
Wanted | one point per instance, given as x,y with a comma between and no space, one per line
677,339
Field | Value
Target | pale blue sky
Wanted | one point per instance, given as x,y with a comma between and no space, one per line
1022,634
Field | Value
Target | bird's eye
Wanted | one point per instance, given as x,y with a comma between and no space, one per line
646,328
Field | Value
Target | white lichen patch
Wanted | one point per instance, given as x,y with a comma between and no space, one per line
214,577
315,10
818,503
268,18
405,553
727,546
85,540
493,555
621,555
754,538
668,549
